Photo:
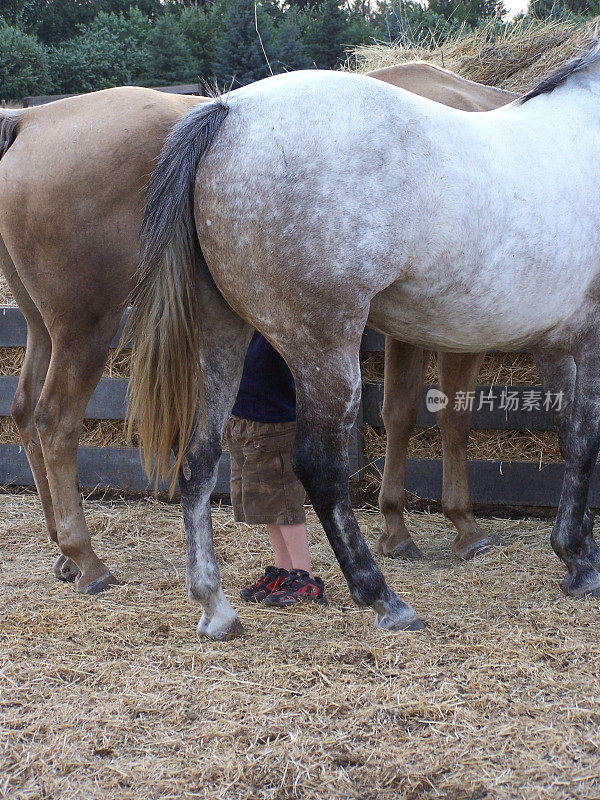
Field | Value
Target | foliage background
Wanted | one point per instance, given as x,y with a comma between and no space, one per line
64,46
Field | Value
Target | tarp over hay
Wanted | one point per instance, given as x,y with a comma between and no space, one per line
512,58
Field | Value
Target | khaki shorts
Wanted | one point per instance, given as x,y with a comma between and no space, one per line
264,489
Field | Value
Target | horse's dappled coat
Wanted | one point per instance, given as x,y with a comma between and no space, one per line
324,203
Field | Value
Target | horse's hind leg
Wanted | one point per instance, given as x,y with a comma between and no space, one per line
579,439
558,375
78,357
225,341
31,381
458,372
328,394
405,367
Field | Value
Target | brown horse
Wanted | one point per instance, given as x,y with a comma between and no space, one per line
72,191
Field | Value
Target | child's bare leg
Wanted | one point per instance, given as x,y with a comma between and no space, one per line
295,538
281,554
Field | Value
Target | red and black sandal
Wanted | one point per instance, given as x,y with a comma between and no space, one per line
270,582
298,587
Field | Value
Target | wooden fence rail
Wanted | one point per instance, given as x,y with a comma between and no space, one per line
494,483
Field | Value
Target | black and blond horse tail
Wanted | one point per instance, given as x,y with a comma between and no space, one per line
9,127
166,387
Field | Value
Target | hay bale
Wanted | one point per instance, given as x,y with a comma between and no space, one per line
514,58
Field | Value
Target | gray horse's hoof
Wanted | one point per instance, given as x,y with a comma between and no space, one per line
396,615
99,585
593,553
65,570
219,630
585,583
473,549
391,622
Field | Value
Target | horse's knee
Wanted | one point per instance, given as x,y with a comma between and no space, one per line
57,431
21,410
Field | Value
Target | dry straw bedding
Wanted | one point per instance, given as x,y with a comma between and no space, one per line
116,696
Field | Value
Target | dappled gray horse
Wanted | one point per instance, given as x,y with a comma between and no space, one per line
310,204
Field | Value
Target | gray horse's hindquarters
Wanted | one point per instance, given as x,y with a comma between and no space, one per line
304,227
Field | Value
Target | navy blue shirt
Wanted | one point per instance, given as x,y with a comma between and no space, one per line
267,392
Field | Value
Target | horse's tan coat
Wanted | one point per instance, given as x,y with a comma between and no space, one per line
72,190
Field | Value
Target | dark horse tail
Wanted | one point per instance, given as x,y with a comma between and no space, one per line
9,127
166,387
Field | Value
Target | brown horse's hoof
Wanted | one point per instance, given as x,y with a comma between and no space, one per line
99,585
407,551
585,583
473,549
65,570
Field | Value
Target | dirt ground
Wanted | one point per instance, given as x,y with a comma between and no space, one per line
117,697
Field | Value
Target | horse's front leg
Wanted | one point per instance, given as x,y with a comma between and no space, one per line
579,440
458,372
225,346
405,367
328,395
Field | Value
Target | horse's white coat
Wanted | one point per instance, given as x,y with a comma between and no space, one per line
462,231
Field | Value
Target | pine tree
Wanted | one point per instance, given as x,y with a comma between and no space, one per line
325,33
289,45
241,52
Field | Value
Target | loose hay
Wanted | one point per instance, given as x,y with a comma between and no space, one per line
116,696
510,369
95,433
539,446
514,58
6,297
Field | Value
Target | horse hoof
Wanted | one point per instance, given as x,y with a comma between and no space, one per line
396,615
584,583
391,622
65,570
473,549
593,554
219,630
407,551
99,585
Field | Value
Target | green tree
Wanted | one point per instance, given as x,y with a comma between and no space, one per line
326,33
112,51
25,68
198,28
409,22
542,9
170,55
241,51
289,46
469,12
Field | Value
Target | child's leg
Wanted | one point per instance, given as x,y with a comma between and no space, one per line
282,556
295,540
